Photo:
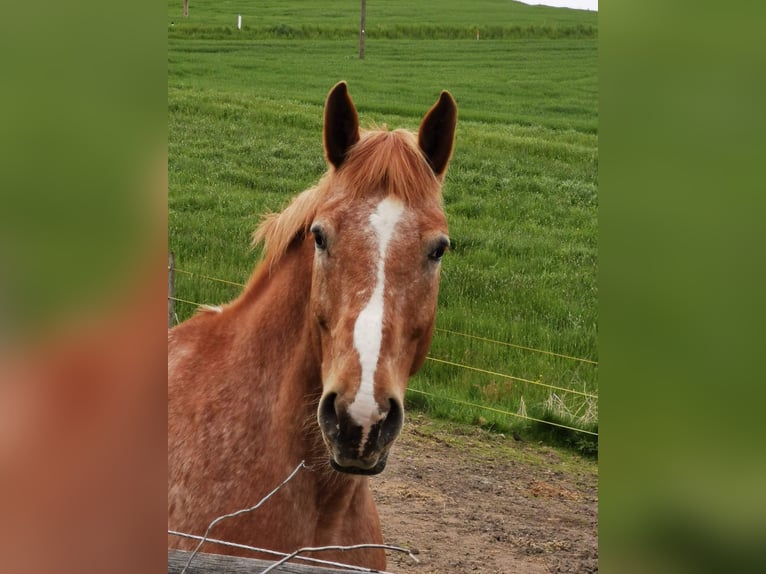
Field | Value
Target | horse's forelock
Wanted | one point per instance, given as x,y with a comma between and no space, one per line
392,162
388,162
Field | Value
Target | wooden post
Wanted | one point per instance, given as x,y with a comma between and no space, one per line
361,29
171,288
186,8
216,564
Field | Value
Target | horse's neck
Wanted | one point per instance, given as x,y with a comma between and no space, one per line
276,304
273,332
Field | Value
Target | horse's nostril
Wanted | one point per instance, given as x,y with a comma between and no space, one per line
328,416
392,424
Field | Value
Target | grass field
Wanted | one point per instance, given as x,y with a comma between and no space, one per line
384,19
245,120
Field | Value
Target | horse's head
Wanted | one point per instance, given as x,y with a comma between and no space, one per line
379,235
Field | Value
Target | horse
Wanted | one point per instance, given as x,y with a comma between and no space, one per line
312,360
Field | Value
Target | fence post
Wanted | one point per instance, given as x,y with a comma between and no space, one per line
171,288
362,31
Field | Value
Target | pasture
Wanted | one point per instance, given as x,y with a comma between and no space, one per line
244,137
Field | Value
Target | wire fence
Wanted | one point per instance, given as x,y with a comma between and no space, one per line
515,346
472,368
283,557
501,411
439,329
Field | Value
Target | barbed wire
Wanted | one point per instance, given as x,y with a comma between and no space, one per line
339,548
258,550
242,511
287,557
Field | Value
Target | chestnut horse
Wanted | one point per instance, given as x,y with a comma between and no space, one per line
311,362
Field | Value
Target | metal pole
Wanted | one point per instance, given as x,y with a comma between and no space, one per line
361,29
171,288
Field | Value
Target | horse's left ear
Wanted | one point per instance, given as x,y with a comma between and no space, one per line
437,133
341,124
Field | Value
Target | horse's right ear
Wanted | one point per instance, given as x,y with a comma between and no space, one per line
341,124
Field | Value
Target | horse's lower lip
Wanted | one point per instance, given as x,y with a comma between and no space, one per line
351,469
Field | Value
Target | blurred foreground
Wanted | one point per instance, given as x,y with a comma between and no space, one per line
82,284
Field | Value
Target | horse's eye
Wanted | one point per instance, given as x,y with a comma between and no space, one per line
437,252
319,237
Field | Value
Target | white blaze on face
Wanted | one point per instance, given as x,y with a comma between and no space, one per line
368,329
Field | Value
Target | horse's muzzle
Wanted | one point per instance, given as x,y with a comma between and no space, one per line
353,448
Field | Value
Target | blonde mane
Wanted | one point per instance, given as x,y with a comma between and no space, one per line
387,161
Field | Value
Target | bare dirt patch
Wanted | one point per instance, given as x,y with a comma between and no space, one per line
466,500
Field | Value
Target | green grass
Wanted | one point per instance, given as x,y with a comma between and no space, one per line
245,120
333,19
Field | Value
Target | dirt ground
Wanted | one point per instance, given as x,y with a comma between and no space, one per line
469,501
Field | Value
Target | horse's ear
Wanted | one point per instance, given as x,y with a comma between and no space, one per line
437,133
341,124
